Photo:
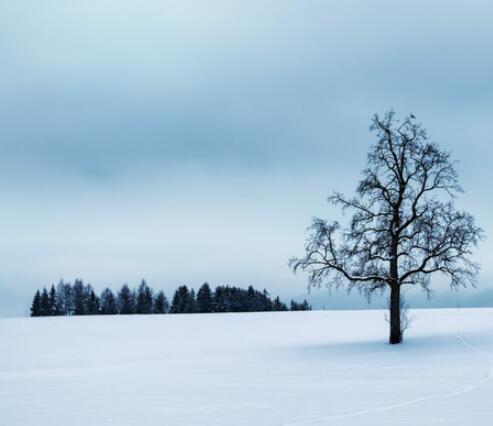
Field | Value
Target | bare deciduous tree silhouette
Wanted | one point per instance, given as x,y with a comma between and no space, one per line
404,225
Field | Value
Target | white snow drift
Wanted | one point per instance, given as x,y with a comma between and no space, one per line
289,368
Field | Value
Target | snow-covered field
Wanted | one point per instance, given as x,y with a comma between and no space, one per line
289,368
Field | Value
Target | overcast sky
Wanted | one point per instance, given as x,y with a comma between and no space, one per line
185,141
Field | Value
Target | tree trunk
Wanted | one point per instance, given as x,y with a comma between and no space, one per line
395,315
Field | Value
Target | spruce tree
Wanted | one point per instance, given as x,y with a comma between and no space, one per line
176,302
144,299
305,306
36,306
191,302
92,301
204,302
266,301
45,303
161,305
53,301
182,302
126,300
278,305
235,299
219,299
251,299
108,304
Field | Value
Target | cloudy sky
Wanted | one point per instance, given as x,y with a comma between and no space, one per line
185,141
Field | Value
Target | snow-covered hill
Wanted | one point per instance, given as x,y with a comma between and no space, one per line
289,368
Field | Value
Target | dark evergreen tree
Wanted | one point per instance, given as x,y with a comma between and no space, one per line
190,307
126,300
267,302
144,299
304,306
236,298
108,304
53,301
36,306
277,305
92,301
219,299
204,301
45,303
161,305
182,301
251,302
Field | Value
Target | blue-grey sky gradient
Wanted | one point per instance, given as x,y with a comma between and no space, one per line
184,141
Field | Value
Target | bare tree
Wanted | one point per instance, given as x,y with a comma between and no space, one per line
404,226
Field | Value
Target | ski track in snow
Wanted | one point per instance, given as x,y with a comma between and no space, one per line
486,356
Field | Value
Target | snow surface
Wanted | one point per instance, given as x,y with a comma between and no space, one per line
288,368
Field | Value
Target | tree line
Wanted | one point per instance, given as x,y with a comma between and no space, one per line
81,299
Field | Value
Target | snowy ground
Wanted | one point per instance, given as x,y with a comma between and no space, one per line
293,368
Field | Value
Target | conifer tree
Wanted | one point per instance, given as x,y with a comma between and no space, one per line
53,301
191,302
45,303
278,305
126,300
36,306
204,303
144,299
266,301
251,299
305,306
182,301
108,303
161,305
236,299
92,301
219,299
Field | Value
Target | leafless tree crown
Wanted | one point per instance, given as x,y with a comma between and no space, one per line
404,226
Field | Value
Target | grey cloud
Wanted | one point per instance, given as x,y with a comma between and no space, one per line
103,100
